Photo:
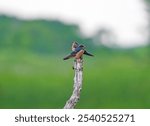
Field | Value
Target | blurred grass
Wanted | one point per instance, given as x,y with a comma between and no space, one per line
30,80
33,74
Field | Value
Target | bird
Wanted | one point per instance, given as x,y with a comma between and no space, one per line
77,51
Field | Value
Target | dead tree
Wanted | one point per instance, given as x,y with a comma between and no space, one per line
78,69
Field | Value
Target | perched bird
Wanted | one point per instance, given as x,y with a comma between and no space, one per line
77,51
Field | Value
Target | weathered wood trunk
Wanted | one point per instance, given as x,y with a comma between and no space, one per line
78,68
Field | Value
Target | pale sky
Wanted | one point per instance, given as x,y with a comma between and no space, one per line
126,18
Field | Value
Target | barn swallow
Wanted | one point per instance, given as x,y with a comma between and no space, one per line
77,51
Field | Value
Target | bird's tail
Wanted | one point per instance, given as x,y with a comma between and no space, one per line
67,57
86,53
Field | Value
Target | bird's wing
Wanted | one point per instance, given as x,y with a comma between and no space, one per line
87,53
69,56
77,49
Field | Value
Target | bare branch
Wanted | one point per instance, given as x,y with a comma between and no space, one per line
78,68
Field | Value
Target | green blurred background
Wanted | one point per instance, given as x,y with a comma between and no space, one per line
33,74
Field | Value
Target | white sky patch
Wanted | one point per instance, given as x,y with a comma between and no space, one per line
126,18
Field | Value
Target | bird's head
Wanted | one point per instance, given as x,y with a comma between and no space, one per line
74,45
82,46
